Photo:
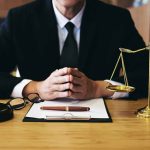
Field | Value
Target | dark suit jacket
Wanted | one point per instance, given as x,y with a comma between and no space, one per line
29,40
1,20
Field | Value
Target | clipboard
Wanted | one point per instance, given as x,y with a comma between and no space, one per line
97,105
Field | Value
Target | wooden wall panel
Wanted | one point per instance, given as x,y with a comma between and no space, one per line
5,5
141,16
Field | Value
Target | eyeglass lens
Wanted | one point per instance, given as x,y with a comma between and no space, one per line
34,98
17,103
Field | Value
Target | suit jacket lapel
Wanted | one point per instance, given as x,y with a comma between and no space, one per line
49,33
86,35
88,32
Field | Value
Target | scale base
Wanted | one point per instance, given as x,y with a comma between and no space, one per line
144,112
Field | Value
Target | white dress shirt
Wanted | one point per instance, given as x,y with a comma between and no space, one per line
62,34
62,21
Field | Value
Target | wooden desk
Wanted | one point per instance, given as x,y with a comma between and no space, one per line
127,132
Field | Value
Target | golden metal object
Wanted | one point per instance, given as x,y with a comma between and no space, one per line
120,88
142,112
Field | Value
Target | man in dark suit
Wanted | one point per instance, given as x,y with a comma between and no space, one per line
33,36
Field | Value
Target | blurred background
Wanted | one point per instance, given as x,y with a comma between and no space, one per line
140,11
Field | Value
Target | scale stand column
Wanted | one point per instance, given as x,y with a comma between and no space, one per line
145,112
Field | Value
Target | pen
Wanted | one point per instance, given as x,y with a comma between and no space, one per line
65,108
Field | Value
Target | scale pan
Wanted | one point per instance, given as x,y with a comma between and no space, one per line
120,88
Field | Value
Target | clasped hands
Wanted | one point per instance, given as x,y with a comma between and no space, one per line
68,83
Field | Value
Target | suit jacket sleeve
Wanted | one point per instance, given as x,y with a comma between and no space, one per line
7,59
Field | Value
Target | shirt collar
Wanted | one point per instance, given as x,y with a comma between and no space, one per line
62,20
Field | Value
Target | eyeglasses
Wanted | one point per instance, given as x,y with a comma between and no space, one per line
19,103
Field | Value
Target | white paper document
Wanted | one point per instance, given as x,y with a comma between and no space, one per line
97,110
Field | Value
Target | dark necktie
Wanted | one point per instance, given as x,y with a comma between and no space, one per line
69,56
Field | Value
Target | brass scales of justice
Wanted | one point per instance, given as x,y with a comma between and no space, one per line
143,112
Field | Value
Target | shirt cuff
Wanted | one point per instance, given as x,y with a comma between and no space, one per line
118,95
17,91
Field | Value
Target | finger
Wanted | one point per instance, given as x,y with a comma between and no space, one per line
61,79
76,88
62,94
76,68
67,78
60,72
75,72
75,80
61,87
76,95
